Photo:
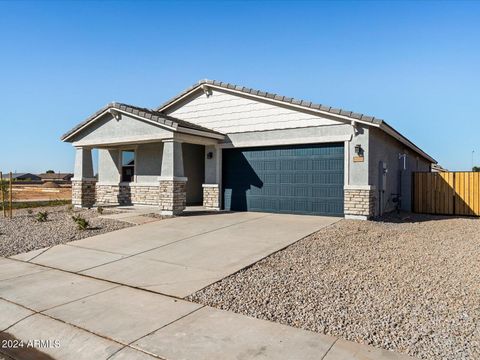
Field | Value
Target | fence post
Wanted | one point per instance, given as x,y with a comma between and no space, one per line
412,193
3,195
454,194
10,193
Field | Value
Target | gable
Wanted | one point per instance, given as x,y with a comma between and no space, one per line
108,130
230,113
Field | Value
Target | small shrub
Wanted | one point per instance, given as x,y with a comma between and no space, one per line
29,211
42,216
100,210
69,208
82,223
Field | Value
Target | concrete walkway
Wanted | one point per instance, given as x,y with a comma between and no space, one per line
105,297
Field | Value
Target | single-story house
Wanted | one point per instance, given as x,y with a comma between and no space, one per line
22,177
235,148
56,177
438,168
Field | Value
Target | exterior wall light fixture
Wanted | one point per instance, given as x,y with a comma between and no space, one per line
358,150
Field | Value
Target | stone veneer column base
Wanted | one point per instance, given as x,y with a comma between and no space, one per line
359,204
83,192
128,194
211,196
107,194
173,196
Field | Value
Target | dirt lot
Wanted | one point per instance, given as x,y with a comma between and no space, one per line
39,193
24,233
411,286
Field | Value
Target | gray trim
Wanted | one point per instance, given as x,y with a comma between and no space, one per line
147,114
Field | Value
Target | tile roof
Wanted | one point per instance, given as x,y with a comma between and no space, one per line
272,96
303,103
145,113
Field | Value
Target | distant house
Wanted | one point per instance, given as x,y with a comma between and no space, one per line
56,177
438,168
24,177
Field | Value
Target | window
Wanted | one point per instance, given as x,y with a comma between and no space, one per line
128,165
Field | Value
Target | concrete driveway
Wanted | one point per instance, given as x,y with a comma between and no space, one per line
181,255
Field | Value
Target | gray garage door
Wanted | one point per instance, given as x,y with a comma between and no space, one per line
305,179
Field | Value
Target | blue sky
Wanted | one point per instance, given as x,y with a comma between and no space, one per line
414,64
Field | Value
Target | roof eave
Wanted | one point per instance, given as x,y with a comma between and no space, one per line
212,135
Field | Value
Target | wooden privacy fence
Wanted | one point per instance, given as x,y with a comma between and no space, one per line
447,193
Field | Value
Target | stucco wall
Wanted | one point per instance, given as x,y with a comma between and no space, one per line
148,162
228,113
213,165
108,166
194,169
387,149
333,133
358,171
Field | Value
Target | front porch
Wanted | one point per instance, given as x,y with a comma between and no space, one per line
169,175
168,168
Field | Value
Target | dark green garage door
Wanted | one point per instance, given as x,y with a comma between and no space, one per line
305,179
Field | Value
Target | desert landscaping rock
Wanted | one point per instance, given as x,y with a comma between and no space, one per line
410,286
24,233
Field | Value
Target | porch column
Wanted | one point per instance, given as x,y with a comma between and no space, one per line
213,180
83,182
173,196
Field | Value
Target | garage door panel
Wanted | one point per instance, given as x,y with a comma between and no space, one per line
327,178
305,179
326,192
301,178
266,190
327,165
303,164
287,165
268,178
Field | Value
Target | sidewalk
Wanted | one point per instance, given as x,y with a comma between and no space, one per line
95,319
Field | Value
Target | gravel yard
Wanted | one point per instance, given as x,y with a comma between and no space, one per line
410,286
24,233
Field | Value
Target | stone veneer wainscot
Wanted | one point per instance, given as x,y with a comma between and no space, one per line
211,196
127,194
359,203
173,196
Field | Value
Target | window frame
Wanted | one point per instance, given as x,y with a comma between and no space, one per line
134,175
